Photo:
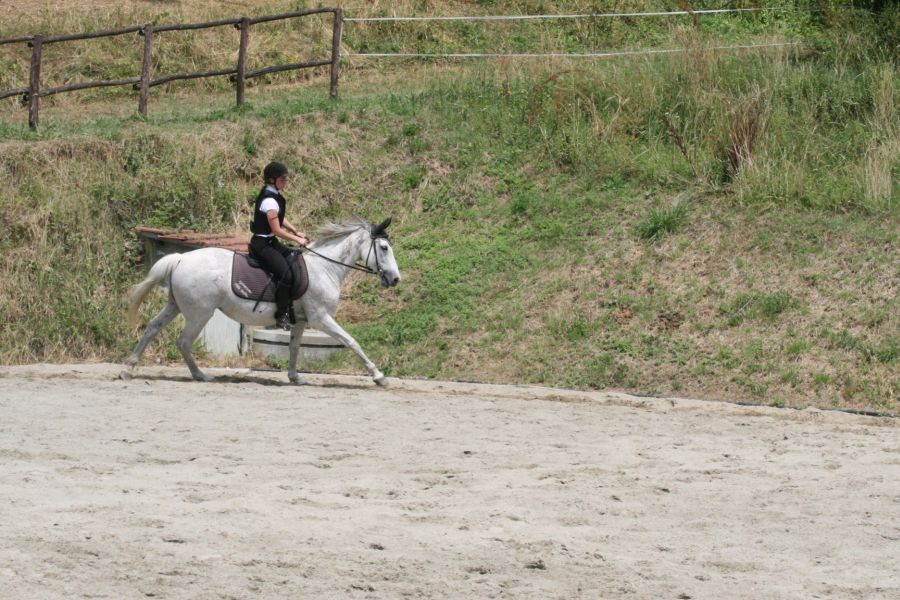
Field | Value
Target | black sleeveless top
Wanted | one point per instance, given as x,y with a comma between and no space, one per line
259,225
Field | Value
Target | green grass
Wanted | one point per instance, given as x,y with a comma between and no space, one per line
760,306
661,221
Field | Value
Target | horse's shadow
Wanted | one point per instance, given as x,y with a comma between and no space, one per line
248,378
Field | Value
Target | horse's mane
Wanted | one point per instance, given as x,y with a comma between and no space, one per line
333,231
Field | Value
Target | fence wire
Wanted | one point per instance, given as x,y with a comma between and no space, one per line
575,16
646,51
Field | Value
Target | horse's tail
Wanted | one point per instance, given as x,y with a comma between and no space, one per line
159,275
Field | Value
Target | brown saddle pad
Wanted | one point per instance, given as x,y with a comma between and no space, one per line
253,283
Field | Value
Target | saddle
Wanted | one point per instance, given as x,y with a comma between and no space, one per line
251,282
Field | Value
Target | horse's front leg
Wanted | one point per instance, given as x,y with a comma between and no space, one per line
296,337
330,326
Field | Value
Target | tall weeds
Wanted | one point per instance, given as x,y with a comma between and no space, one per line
746,123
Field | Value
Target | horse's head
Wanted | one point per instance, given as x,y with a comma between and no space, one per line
380,257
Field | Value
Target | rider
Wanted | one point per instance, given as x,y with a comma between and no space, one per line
267,225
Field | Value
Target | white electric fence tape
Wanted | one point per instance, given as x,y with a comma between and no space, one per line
564,55
578,16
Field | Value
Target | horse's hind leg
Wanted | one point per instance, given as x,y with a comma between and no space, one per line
192,327
165,316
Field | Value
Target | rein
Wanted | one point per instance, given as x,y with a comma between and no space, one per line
362,268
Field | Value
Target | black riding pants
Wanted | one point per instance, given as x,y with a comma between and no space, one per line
275,258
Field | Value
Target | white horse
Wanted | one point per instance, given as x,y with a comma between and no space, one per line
199,282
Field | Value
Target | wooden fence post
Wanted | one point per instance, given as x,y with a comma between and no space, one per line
34,82
147,32
242,58
686,6
336,50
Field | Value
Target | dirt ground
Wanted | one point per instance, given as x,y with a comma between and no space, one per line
160,487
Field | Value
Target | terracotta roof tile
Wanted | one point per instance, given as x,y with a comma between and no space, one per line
196,239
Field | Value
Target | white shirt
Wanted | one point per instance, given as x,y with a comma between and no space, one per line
268,204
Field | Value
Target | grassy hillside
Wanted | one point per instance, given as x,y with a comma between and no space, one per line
713,224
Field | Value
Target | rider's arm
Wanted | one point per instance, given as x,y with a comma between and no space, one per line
283,232
290,227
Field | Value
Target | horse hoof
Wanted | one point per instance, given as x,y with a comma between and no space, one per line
125,375
382,381
203,378
298,381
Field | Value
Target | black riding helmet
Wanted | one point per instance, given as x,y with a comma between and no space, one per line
273,171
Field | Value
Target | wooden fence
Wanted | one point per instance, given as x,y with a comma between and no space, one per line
239,74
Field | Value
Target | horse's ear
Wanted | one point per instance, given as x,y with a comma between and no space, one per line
379,229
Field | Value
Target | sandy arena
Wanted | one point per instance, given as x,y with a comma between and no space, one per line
160,487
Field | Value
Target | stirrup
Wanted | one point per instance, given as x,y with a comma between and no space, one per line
284,321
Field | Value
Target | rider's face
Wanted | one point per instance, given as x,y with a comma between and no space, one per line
280,182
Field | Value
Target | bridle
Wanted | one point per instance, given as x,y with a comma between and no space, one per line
378,270
356,267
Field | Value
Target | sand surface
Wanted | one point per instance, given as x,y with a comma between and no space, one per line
160,487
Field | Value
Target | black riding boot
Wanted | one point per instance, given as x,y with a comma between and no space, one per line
283,306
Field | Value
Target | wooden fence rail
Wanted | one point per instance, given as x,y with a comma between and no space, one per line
239,74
